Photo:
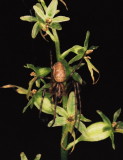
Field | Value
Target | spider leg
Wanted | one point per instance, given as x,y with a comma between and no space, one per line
45,77
79,103
76,68
76,101
79,98
60,92
42,99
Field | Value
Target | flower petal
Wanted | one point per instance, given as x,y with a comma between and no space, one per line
52,8
60,19
59,121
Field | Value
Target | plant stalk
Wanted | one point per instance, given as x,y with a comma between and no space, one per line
57,44
64,153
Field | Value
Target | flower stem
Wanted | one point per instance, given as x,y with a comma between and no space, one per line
57,44
64,153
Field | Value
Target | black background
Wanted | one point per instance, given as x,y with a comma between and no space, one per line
26,132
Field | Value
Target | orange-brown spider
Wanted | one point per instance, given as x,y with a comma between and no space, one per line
58,77
57,88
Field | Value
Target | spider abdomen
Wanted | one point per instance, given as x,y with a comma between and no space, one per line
59,73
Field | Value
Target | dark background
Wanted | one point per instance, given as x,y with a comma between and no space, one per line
26,132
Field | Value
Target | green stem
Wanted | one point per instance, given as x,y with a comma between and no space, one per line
57,44
64,153
64,54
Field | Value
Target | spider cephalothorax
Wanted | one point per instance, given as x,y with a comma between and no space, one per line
58,78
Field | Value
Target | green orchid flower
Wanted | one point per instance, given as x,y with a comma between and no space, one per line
100,130
45,18
82,52
95,132
70,118
38,74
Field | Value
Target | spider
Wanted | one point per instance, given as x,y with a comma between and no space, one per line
58,78
57,89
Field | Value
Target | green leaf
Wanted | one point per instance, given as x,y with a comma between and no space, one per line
78,49
31,82
52,8
56,26
104,117
76,67
71,104
65,53
39,6
37,82
60,19
93,47
46,85
21,90
59,121
38,157
23,156
112,140
40,71
46,106
61,111
91,68
29,18
116,115
43,71
76,58
77,77
35,30
81,127
83,118
39,12
43,4
31,66
86,40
